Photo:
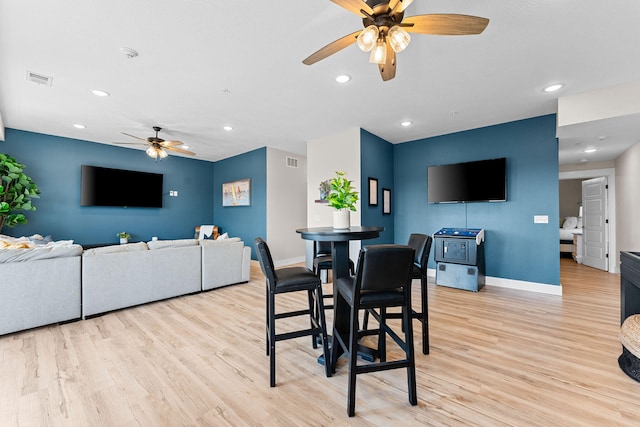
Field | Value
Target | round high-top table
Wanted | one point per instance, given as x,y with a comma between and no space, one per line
340,251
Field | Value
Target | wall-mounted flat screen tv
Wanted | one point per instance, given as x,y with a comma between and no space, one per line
479,181
118,187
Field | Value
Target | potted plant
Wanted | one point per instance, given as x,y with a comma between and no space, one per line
124,237
16,192
342,198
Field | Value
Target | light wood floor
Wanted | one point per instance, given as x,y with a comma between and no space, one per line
498,357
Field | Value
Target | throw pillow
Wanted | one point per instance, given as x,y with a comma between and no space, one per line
570,222
223,236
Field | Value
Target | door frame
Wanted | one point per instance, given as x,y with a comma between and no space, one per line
610,173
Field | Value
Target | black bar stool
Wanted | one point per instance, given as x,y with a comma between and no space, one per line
285,280
421,243
382,280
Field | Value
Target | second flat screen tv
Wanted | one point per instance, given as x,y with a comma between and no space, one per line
118,187
479,181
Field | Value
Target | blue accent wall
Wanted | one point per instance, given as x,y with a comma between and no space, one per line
54,165
376,159
515,247
246,222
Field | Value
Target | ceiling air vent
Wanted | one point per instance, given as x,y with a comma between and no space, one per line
292,162
41,79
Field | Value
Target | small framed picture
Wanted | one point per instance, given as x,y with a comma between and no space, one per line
386,201
373,192
237,193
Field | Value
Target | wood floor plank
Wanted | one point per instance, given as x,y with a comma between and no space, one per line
499,357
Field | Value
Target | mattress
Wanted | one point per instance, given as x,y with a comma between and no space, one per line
567,233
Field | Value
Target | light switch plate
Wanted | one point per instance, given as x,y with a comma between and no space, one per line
541,219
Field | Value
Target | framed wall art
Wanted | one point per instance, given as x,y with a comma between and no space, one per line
373,192
237,193
386,201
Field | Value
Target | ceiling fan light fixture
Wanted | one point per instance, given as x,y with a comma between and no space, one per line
379,53
398,38
367,38
152,152
162,153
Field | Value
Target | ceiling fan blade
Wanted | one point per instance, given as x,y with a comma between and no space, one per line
398,6
167,144
130,143
388,69
354,6
180,150
445,24
133,136
332,48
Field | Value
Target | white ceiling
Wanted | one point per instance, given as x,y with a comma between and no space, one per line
203,64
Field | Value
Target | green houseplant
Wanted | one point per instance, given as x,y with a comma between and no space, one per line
124,236
342,198
16,192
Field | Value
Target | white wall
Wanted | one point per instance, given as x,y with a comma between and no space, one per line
570,191
340,152
605,103
286,207
628,181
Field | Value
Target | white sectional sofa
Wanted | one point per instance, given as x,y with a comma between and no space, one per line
61,282
39,286
120,276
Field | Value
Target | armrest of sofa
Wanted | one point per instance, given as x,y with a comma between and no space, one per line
246,264
223,263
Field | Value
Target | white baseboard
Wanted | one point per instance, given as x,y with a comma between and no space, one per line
520,285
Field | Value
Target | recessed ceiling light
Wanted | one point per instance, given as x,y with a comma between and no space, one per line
343,78
553,87
228,128
406,123
97,92
591,150
79,126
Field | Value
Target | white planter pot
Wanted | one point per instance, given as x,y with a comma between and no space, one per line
124,241
341,219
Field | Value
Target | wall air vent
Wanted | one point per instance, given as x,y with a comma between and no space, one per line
41,79
292,162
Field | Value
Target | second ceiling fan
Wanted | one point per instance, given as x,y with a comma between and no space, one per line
386,31
158,146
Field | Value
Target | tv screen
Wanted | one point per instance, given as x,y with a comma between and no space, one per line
479,181
118,187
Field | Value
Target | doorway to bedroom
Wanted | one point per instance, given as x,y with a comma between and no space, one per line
571,199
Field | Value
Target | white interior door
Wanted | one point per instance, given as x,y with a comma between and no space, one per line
595,223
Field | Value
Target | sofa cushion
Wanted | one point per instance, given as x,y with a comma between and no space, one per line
114,249
42,252
160,244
